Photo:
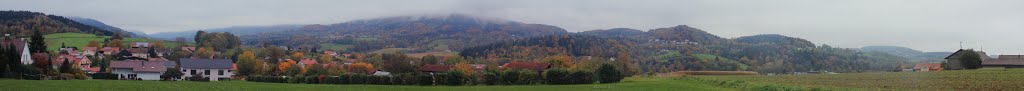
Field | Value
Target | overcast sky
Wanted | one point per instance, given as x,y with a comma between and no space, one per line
928,25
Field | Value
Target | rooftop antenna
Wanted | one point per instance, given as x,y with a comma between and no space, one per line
961,45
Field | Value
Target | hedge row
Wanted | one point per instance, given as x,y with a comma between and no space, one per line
456,78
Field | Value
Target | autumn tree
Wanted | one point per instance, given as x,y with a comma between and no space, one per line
115,43
158,44
361,67
248,64
430,59
335,69
559,61
93,44
283,66
326,59
464,68
204,52
297,56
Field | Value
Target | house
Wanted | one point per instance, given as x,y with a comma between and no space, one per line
109,50
139,52
89,51
533,66
141,45
215,69
20,44
928,67
138,70
188,49
79,61
332,53
1004,61
429,68
307,62
955,59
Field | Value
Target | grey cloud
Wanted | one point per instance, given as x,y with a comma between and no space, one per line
929,25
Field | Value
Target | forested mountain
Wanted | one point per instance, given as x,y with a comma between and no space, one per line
911,54
657,50
237,30
775,39
419,33
23,22
687,48
98,24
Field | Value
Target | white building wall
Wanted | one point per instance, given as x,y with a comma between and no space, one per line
26,57
149,76
213,73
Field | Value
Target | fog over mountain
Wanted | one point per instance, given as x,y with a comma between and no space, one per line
926,25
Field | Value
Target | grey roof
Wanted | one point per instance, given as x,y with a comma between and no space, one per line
190,63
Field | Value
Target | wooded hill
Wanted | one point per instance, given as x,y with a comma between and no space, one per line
656,50
22,23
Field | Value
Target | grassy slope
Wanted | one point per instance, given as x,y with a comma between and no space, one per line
983,79
54,41
631,84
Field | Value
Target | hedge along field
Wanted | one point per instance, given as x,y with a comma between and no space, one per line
956,80
628,84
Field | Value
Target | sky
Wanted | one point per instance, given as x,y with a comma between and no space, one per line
995,26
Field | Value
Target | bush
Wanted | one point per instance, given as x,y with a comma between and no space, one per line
557,76
424,79
359,79
107,76
607,73
491,78
199,78
519,77
581,77
455,78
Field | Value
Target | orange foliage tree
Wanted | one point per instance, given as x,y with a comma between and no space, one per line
361,67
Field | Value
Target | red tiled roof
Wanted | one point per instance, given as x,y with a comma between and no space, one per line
308,61
526,65
931,66
435,68
89,49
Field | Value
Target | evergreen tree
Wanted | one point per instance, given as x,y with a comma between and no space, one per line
971,60
38,43
171,74
152,53
66,67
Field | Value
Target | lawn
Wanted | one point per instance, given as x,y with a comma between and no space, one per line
958,80
630,84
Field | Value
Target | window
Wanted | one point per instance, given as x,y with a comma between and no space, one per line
220,72
193,72
207,72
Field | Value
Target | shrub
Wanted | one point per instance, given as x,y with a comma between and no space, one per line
581,77
455,78
108,76
519,77
607,73
359,79
491,78
199,78
424,79
556,76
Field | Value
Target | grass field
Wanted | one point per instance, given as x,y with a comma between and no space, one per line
958,80
630,84
54,41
